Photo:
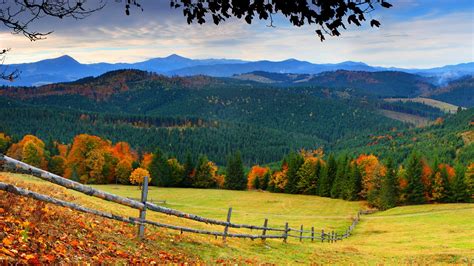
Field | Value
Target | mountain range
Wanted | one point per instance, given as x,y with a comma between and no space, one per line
66,68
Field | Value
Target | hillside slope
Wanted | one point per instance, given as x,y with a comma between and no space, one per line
380,84
409,234
458,92
274,119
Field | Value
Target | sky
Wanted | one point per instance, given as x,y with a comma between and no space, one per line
413,34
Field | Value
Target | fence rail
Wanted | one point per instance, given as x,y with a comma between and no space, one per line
144,206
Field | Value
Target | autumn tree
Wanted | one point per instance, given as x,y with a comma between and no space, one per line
427,180
402,184
235,176
256,176
138,175
203,177
469,180
123,169
441,183
146,160
371,171
30,150
414,172
279,179
5,142
91,159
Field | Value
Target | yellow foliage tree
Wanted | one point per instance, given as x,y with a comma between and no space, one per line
4,142
30,149
371,170
138,175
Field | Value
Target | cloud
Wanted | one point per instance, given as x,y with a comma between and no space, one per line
421,39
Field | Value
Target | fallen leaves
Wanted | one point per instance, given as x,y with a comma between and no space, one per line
32,232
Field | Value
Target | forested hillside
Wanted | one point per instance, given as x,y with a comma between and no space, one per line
233,114
217,116
379,84
458,92
446,140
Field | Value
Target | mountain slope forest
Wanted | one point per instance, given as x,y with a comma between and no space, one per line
217,116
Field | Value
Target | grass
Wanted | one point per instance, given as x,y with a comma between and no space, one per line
408,118
424,234
444,106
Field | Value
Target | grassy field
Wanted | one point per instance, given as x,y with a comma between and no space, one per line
446,107
416,120
425,234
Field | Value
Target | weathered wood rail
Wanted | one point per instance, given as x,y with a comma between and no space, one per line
144,206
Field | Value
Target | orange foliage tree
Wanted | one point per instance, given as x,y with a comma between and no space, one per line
146,160
256,174
30,150
426,176
90,158
441,182
469,180
279,179
402,183
371,170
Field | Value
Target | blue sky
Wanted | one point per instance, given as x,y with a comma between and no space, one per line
414,34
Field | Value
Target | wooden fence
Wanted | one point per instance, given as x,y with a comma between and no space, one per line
143,206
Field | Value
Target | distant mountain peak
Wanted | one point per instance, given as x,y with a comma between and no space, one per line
64,59
347,63
175,56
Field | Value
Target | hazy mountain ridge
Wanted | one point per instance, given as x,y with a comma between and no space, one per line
66,68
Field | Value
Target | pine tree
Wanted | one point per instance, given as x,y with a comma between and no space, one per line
308,177
256,183
235,176
52,147
355,183
295,161
339,182
388,191
415,186
188,171
324,185
265,180
331,171
458,188
203,176
159,170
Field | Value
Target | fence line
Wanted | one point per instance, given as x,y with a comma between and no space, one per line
64,182
145,205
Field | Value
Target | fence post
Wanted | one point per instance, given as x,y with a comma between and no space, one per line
226,228
312,234
335,237
301,233
285,235
332,236
264,228
322,235
141,227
